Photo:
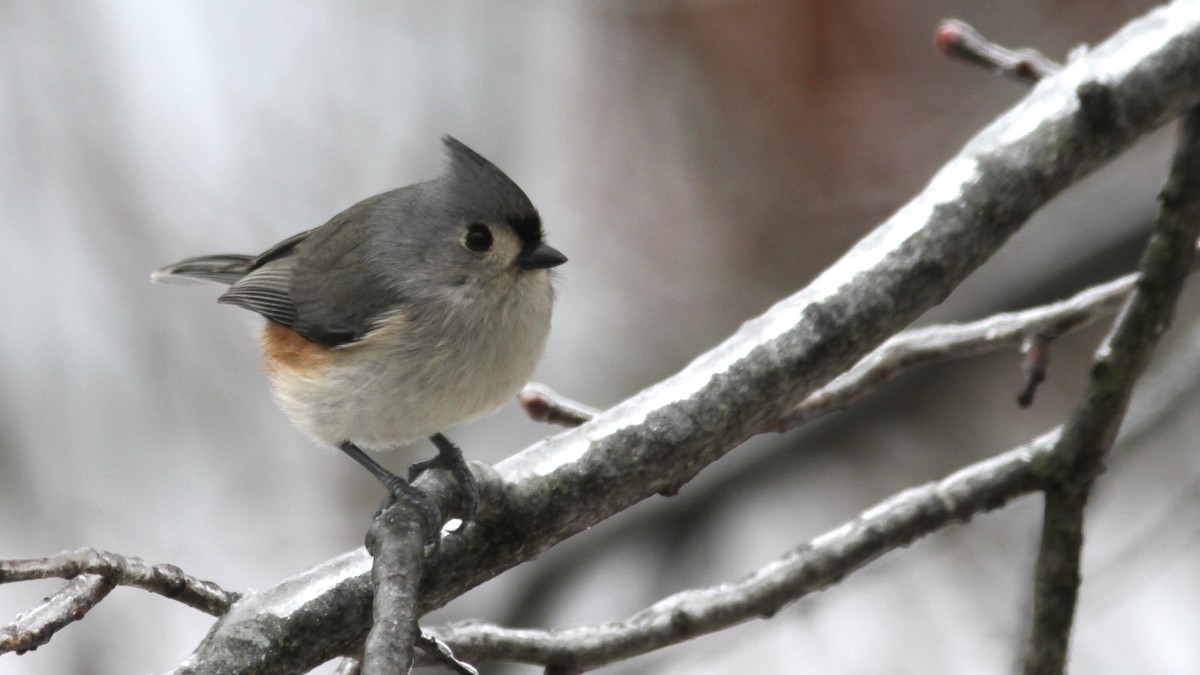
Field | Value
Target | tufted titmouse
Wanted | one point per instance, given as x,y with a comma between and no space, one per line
407,313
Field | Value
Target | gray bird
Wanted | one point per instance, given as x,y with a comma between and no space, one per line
407,313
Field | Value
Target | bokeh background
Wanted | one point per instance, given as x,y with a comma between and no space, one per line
697,160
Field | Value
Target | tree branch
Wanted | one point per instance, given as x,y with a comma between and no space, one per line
69,604
917,347
906,351
892,524
93,575
1090,432
659,439
396,542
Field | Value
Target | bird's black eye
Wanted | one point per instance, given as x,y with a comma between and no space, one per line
479,237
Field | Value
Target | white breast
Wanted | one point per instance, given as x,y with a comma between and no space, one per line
414,376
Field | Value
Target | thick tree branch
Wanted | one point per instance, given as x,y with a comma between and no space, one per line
892,524
1091,430
659,439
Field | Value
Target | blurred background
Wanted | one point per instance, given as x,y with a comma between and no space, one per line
697,160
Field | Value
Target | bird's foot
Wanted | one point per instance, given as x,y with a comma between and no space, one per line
450,458
414,498
431,515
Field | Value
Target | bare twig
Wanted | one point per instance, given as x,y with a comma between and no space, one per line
959,40
660,438
166,580
396,542
1090,432
892,524
92,575
1035,359
69,604
917,347
440,652
543,404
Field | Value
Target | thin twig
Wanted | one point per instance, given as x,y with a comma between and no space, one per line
1090,432
917,347
959,40
1035,359
440,652
543,404
69,604
166,580
892,524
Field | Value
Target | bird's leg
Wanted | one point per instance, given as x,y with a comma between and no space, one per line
406,493
450,458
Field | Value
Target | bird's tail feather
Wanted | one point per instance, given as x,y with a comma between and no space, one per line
225,268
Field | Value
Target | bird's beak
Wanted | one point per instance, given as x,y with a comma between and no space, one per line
540,257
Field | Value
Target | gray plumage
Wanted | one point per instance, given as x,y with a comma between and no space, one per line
332,284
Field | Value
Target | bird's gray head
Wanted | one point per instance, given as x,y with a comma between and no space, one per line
472,231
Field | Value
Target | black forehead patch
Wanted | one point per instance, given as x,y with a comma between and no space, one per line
528,227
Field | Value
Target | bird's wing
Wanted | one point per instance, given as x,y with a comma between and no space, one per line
266,290
317,282
337,296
